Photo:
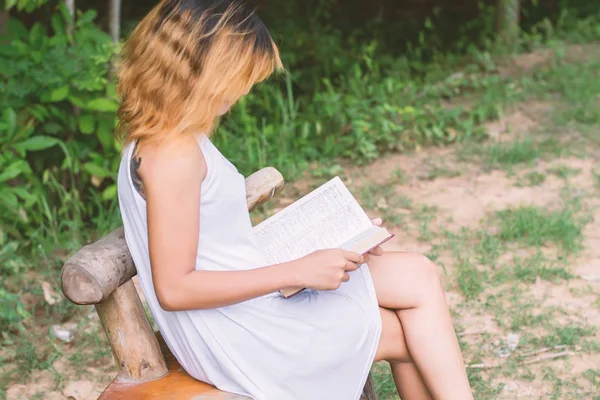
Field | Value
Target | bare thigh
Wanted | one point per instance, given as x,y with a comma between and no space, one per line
403,280
392,346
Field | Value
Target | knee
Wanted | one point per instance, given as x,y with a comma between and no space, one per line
429,268
425,275
424,269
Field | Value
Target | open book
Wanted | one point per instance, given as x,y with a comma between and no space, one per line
328,217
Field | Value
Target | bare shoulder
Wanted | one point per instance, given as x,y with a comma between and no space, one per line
175,165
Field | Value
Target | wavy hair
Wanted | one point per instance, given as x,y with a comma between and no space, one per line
186,59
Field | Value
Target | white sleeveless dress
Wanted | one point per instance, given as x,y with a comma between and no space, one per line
318,345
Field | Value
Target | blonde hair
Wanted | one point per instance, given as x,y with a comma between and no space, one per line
185,60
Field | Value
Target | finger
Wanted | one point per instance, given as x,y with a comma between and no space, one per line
350,266
346,278
366,257
352,256
377,251
377,221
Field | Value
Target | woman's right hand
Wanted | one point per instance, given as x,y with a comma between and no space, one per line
326,269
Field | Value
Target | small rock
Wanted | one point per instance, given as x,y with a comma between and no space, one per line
64,333
382,204
92,314
511,344
510,387
591,278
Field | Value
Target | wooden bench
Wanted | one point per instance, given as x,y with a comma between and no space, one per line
100,274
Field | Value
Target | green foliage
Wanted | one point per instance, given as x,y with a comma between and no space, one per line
57,123
12,310
24,5
57,152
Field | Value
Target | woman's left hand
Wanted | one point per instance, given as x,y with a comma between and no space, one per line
377,251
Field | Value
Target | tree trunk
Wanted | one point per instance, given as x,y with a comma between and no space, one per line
71,7
507,20
114,20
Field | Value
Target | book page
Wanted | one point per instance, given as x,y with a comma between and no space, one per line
327,217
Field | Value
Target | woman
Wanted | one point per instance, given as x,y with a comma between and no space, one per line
214,299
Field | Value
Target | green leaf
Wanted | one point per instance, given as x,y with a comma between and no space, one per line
15,29
36,35
87,17
109,193
9,4
58,25
77,101
103,105
87,123
105,132
8,198
96,170
13,170
36,143
11,118
111,90
23,193
59,94
53,128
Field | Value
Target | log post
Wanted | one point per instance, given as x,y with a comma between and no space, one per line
131,337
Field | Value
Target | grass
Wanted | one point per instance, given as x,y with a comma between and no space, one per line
512,153
538,266
398,176
533,226
564,171
506,155
568,335
383,199
532,178
488,248
470,279
424,216
596,177
437,171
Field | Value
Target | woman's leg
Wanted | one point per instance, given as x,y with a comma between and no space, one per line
408,284
392,348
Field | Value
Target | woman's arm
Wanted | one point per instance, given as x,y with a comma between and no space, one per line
172,176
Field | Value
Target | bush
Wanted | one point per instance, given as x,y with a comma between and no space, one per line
57,123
